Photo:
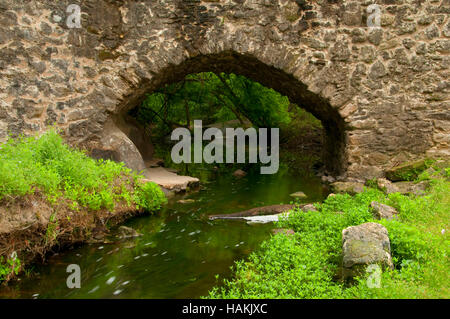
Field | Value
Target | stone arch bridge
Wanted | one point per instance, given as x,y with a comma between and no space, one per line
381,93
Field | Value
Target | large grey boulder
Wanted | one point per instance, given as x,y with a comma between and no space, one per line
364,245
115,145
382,211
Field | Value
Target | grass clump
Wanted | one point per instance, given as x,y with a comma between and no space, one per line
9,266
307,263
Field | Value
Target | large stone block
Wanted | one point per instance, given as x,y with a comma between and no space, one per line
364,245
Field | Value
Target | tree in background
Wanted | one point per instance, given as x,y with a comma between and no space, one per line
214,98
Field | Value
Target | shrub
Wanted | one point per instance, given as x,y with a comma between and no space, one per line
48,165
149,196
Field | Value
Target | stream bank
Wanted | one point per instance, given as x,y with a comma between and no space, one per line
180,250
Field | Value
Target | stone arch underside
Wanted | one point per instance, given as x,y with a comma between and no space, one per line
382,93
232,62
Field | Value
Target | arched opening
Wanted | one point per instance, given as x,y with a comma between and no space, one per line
333,153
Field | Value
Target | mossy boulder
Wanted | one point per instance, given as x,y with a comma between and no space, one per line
365,245
407,171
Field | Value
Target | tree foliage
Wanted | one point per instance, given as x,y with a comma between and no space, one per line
214,98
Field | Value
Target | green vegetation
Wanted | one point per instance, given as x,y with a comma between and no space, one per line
214,98
307,264
408,171
47,169
45,164
226,100
10,267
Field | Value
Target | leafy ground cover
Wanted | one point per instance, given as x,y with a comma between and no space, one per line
47,170
307,263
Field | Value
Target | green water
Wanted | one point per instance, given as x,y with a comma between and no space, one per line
181,251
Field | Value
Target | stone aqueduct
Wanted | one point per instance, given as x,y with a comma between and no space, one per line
381,93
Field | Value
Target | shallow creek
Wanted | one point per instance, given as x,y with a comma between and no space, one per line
181,251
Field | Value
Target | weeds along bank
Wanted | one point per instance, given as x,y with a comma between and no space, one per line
52,195
307,263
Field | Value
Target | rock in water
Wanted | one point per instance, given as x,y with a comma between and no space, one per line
128,232
257,211
298,195
239,173
383,211
186,201
262,219
364,245
168,180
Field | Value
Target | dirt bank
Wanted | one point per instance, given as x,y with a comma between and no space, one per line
33,227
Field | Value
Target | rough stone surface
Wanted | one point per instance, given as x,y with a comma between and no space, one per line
406,170
347,187
364,245
115,145
387,186
382,211
186,201
381,94
309,208
412,188
168,180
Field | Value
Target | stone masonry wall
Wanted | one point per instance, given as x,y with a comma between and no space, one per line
382,93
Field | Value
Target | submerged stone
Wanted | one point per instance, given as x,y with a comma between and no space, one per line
239,173
186,201
128,232
298,195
